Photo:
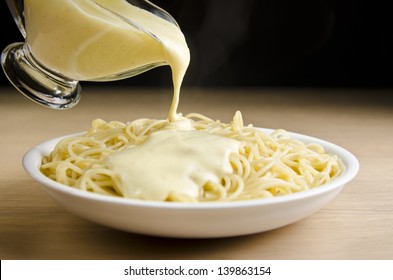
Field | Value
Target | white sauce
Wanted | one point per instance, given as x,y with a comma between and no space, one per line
173,161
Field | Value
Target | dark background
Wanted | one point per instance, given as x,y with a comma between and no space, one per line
272,43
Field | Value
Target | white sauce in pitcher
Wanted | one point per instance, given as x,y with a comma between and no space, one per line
89,40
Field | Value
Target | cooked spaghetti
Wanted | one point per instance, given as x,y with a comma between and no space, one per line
264,165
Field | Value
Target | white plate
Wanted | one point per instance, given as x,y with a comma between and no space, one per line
186,220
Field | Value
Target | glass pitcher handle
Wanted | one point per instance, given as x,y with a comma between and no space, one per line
16,9
31,78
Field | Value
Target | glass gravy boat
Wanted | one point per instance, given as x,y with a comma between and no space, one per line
74,46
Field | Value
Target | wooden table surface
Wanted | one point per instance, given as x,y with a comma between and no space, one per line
358,224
